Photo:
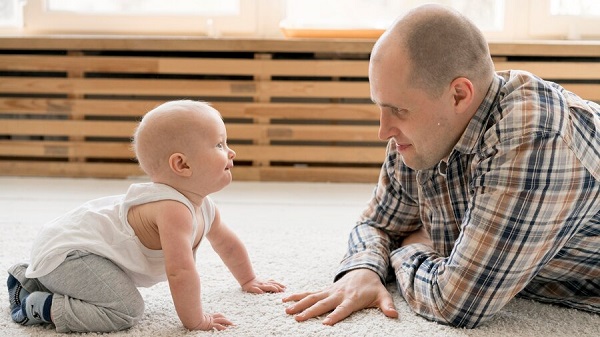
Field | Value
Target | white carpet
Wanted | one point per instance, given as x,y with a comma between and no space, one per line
295,232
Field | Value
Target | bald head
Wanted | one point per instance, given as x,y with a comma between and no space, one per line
440,45
169,128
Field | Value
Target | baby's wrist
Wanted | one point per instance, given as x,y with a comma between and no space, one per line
249,281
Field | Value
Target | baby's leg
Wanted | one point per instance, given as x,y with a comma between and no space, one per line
19,286
92,294
29,301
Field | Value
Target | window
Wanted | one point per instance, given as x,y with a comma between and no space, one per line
185,17
560,19
577,7
379,14
151,7
11,13
499,19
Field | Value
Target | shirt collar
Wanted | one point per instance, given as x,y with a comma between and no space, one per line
477,126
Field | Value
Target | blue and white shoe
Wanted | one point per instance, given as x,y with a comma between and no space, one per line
16,292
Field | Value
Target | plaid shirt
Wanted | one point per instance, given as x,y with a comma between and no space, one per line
514,211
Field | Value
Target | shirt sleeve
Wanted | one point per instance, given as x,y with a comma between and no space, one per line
391,214
527,195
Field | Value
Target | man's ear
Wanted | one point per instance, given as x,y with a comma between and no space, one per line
178,164
463,94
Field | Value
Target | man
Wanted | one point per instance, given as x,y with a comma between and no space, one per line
490,188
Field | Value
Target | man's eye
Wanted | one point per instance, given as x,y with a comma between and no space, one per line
397,112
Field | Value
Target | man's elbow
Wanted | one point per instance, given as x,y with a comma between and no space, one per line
463,317
458,315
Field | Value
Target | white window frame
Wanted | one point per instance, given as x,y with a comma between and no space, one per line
543,25
523,20
38,20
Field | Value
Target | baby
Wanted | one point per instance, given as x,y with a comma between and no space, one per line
87,264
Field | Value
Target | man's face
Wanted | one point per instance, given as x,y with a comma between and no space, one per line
419,123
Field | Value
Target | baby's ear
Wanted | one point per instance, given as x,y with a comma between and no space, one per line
178,164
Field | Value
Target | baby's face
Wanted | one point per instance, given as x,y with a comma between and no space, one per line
209,156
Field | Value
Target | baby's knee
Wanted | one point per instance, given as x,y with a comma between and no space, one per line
135,310
126,314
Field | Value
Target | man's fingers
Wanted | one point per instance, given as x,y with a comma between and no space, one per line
317,309
386,304
305,300
296,297
341,312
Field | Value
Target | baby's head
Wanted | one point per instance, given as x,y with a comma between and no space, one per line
184,140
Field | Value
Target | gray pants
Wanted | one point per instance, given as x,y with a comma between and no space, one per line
91,294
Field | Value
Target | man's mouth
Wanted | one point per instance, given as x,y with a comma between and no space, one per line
402,147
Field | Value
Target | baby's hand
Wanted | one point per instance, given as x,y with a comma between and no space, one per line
212,322
257,286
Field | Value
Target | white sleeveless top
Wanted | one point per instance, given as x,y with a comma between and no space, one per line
100,227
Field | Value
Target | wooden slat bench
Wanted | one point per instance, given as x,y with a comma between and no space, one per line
295,109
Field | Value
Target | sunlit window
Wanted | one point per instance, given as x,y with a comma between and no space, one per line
11,13
146,7
379,14
498,19
488,15
170,17
575,7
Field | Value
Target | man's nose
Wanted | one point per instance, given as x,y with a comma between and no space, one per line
385,127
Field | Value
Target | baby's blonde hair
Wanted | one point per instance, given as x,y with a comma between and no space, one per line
165,130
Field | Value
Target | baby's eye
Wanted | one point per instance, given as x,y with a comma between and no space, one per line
220,146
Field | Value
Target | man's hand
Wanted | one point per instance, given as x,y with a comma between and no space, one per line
357,290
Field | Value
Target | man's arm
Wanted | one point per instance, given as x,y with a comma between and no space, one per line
391,214
526,204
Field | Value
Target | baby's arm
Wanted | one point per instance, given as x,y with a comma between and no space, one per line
235,256
174,222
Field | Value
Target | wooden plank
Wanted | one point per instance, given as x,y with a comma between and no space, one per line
137,108
22,41
178,88
316,89
84,128
563,48
70,169
187,66
365,112
181,43
67,63
81,128
73,106
310,174
341,133
311,154
122,150
240,173
66,149
556,70
269,67
346,68
129,64
588,91
183,88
